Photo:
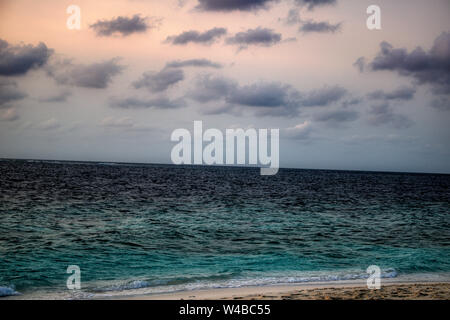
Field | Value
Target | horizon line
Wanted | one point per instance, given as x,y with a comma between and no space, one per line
223,165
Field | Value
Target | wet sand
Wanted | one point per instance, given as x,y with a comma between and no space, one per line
342,291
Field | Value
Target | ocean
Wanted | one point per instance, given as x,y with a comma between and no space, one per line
136,228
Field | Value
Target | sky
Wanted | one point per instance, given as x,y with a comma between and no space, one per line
343,96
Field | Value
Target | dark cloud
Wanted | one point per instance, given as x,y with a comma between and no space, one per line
271,94
311,4
9,92
360,64
337,116
193,63
324,96
441,103
18,60
383,114
276,98
159,81
231,5
432,67
209,88
403,93
320,27
272,98
96,75
60,97
207,37
122,25
136,103
351,102
259,36
293,17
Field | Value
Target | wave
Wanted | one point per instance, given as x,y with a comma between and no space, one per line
138,287
168,282
134,287
8,291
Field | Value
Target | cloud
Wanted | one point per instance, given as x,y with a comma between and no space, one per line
320,27
18,60
259,36
209,88
311,4
351,102
276,98
137,103
9,115
224,108
9,93
181,3
206,38
403,93
96,75
232,5
122,25
293,17
49,124
263,94
324,96
383,114
125,122
59,97
159,81
360,64
272,98
336,116
441,103
193,63
301,131
432,67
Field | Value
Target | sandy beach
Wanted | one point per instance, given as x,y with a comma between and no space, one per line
317,291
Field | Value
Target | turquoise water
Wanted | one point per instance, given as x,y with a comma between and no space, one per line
163,228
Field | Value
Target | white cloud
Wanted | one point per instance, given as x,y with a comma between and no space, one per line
300,131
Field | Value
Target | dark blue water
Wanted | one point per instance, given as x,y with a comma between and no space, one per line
165,227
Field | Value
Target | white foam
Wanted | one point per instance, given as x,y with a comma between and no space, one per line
147,287
7,291
137,287
135,284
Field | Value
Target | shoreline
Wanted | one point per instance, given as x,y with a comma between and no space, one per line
418,286
352,289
